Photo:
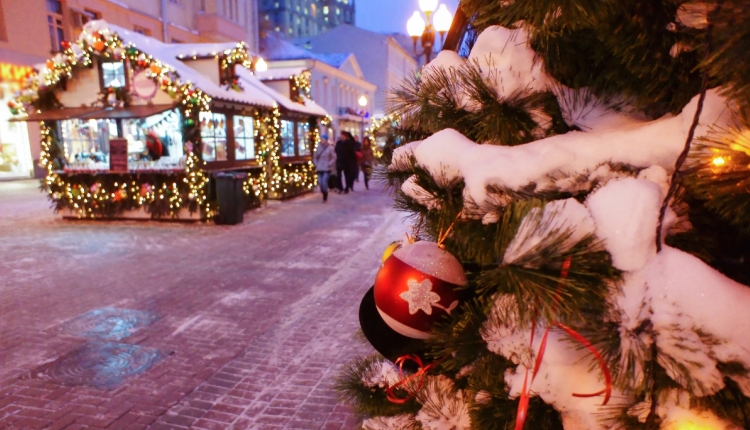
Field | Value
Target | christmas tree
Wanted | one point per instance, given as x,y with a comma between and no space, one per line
587,162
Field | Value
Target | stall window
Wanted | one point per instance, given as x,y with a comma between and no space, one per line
113,74
244,138
303,136
154,139
86,142
287,138
214,136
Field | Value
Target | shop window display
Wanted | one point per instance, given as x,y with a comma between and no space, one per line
214,136
303,134
15,153
244,138
154,143
287,138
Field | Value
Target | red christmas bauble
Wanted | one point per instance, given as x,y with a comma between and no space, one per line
416,286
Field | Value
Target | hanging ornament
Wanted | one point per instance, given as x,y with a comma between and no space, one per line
14,111
94,188
155,69
65,44
165,82
50,64
390,249
416,286
99,45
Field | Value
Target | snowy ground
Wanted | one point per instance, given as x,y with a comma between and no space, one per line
251,322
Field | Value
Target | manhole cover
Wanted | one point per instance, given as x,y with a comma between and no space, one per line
103,365
108,323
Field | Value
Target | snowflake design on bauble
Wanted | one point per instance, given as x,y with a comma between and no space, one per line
420,296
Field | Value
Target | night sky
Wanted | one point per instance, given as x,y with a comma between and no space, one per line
390,16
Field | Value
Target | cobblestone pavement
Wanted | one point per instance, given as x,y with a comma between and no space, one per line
246,326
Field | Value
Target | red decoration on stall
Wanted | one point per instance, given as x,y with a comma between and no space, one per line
99,45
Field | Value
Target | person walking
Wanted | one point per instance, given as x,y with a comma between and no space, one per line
339,149
358,148
348,155
324,160
365,162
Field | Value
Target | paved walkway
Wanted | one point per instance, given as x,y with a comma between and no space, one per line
131,325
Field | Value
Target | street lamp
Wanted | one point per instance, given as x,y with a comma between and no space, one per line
363,101
418,27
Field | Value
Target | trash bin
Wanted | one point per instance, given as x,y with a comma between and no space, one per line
231,197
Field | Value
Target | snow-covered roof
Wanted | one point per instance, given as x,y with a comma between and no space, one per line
276,49
280,73
247,79
256,93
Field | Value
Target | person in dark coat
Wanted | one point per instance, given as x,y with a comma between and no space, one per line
346,151
339,187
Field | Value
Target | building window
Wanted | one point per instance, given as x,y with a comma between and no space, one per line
55,24
303,136
287,138
214,136
3,30
314,11
268,18
113,75
142,30
244,137
338,11
325,10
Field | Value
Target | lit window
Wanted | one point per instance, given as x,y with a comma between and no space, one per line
277,29
244,138
314,11
325,10
214,136
113,75
268,18
297,8
326,18
287,138
303,134
338,11
291,31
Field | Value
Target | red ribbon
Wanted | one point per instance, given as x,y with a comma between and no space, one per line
420,374
523,404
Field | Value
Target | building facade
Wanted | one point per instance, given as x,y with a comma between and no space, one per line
383,61
302,18
32,30
337,83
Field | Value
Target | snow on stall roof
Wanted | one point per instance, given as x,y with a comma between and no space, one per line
309,107
276,49
168,54
280,73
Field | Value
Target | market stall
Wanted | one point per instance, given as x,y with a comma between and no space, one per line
133,127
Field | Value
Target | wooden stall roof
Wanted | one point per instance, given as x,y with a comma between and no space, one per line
57,114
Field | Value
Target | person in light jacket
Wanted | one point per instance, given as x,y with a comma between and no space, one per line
365,163
325,161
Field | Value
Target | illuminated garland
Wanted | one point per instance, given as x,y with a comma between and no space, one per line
238,55
377,123
299,178
301,82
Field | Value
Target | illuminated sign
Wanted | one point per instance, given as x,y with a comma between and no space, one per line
14,73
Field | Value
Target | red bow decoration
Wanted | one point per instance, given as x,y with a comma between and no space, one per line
523,404
420,374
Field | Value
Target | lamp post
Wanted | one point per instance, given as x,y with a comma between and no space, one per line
417,27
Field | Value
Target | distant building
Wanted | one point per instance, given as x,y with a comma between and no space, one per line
383,61
337,83
32,30
301,18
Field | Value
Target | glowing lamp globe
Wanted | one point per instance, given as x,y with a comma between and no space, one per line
416,25
428,5
442,19
416,287
363,101
260,65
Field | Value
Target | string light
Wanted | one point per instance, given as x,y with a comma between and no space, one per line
718,161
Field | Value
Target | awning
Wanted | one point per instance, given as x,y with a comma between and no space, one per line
57,114
141,111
